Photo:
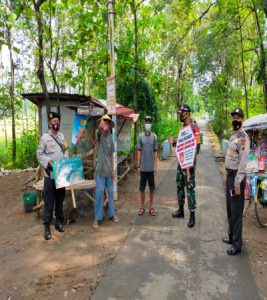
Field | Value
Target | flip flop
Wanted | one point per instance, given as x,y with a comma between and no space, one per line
152,212
141,211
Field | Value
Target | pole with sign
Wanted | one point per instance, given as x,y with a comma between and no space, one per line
111,91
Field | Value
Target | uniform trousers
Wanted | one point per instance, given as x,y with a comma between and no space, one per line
235,207
53,198
183,181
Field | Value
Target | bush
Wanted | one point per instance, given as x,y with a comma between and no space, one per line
26,145
166,127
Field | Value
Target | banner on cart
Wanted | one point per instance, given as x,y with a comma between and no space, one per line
186,147
68,171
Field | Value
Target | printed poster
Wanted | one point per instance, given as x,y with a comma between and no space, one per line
68,171
124,137
186,147
79,123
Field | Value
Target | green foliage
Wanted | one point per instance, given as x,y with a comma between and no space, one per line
146,102
202,53
166,127
27,145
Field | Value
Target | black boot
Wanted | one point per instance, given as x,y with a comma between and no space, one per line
192,221
47,233
179,213
59,226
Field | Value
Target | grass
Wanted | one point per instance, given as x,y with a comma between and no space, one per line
26,144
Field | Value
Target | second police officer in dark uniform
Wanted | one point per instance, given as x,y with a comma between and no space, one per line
235,163
52,146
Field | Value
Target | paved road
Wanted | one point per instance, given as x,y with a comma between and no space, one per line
163,259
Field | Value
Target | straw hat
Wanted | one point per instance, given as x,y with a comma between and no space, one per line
107,118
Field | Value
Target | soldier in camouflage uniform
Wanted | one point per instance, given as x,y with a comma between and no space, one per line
52,146
186,178
235,164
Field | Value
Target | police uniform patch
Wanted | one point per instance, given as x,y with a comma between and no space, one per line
50,144
232,152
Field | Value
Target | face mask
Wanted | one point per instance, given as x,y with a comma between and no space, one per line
236,124
182,118
55,126
148,127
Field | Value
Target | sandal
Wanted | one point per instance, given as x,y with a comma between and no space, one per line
152,212
95,224
115,219
141,211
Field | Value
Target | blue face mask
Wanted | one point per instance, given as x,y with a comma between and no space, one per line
148,127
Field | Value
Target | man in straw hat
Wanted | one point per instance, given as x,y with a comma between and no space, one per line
104,170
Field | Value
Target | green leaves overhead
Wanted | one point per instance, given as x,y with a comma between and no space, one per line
210,54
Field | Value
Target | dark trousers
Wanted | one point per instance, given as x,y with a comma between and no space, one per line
235,207
53,198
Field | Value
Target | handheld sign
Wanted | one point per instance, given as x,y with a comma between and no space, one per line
68,171
186,147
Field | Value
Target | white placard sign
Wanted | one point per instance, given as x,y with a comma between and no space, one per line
186,147
111,95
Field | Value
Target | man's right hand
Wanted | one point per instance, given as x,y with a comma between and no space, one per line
170,139
139,171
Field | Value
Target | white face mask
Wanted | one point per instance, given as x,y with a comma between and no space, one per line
148,127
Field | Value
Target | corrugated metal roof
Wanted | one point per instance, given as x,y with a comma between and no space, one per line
38,98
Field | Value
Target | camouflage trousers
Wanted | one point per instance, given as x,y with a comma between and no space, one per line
184,181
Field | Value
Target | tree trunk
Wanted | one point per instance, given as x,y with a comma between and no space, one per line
179,92
12,94
263,56
135,95
243,63
41,69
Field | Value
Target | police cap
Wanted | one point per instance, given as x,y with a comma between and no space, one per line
238,111
184,108
53,115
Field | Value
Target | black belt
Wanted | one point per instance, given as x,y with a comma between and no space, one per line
231,172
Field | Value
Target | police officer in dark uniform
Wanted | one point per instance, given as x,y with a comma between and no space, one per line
235,163
52,146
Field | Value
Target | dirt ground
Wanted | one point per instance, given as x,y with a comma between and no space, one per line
254,236
71,264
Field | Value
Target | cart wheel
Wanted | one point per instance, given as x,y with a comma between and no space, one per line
261,209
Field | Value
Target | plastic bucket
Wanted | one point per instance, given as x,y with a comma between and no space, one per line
29,200
166,150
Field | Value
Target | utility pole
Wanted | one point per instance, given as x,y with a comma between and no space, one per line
111,9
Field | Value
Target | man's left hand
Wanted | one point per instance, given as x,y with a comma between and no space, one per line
237,190
112,176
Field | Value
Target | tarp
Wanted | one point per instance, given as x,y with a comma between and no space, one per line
256,122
